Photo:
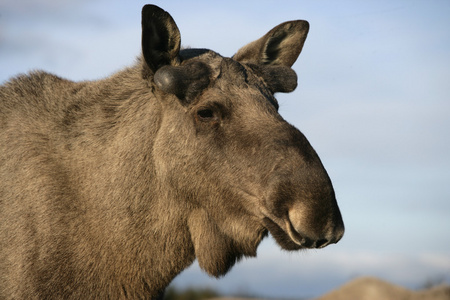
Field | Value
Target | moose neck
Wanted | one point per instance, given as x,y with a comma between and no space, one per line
141,204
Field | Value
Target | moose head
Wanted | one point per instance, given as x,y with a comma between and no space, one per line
225,149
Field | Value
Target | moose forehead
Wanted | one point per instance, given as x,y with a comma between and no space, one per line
233,75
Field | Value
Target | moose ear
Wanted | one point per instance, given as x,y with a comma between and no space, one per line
280,46
160,38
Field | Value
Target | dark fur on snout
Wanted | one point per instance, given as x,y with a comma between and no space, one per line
110,188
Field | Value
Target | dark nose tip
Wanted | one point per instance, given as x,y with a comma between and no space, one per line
338,231
335,237
311,234
309,243
321,243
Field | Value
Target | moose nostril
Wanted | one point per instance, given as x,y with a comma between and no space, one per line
321,243
308,243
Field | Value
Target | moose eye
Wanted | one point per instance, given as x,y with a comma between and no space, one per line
211,113
205,114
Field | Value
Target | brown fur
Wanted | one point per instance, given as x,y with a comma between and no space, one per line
110,188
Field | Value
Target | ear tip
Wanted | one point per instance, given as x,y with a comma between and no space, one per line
150,8
304,23
150,11
300,25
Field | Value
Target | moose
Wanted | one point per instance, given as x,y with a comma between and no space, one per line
110,188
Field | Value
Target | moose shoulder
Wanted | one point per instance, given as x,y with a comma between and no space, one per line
110,188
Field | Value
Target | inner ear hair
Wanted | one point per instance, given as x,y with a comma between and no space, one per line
161,38
280,46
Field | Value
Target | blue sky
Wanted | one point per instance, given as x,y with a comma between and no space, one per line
373,99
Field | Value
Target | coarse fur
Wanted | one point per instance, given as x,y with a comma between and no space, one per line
110,188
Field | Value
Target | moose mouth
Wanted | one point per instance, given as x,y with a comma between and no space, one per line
284,232
289,238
